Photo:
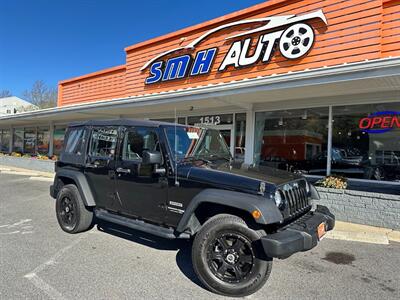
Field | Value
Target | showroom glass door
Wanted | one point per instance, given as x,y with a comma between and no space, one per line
225,123
226,132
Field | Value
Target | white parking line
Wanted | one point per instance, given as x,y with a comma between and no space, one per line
45,287
40,283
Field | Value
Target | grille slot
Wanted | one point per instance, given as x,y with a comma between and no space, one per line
295,194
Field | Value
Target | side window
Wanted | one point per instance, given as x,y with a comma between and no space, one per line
103,142
75,141
137,140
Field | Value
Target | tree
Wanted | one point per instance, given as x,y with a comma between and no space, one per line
41,95
5,93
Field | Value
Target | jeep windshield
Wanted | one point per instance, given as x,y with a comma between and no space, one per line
193,143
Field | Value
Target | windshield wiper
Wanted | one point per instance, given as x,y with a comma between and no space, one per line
194,158
213,156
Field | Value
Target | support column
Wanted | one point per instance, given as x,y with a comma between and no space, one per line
249,142
51,140
11,140
329,150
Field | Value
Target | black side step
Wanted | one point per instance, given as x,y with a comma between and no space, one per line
140,225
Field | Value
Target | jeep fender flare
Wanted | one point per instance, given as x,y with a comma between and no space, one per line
81,183
247,202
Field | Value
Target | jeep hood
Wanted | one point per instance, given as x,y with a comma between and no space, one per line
262,173
239,178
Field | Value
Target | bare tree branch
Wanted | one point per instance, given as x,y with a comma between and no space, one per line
5,93
41,95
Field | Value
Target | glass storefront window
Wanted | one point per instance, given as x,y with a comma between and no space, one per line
43,140
18,140
30,140
59,133
240,132
293,140
4,140
366,141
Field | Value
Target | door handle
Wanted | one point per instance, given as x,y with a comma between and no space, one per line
92,166
122,170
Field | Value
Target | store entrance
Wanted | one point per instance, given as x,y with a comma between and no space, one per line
232,128
227,133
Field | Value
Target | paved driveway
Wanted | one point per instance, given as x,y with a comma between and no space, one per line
39,261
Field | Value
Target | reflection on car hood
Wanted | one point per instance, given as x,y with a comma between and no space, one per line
267,174
239,178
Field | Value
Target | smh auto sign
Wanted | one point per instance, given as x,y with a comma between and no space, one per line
294,37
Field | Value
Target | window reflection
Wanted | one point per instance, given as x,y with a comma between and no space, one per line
293,140
366,141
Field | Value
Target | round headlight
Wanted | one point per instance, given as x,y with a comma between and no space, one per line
307,187
278,199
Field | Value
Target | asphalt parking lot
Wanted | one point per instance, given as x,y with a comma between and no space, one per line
39,261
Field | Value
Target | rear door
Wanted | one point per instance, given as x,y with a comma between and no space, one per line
100,167
142,191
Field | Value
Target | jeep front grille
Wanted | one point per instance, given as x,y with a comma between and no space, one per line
296,198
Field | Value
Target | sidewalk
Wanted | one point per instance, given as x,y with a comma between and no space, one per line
33,175
363,233
342,231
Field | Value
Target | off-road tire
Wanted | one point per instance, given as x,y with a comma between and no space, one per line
82,219
228,226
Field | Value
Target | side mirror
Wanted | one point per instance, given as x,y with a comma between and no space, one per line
151,158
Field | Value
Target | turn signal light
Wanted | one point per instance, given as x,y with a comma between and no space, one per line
256,214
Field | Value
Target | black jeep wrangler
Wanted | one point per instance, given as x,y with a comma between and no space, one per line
178,181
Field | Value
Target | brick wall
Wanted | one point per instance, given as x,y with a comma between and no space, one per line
366,208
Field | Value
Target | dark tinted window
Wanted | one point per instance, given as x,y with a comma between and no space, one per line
137,140
103,142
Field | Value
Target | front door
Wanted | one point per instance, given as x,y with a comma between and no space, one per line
99,168
142,191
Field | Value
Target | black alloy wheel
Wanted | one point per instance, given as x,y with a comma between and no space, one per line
68,213
72,214
231,257
228,258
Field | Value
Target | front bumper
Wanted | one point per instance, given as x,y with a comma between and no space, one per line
301,235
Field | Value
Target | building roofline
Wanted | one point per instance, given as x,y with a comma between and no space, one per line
213,22
93,74
324,75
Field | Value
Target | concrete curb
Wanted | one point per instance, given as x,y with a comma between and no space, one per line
363,233
37,178
26,172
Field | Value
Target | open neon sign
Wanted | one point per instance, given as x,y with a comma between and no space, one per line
380,122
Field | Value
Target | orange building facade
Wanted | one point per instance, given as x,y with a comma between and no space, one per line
306,86
354,31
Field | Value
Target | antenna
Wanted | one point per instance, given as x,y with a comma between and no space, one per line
176,151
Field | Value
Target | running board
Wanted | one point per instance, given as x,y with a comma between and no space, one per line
140,225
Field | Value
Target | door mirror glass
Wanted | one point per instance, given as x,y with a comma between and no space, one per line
151,157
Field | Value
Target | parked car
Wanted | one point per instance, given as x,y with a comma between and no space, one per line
179,182
345,162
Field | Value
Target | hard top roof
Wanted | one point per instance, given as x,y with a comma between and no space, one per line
122,122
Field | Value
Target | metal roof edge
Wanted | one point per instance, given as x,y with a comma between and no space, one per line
267,82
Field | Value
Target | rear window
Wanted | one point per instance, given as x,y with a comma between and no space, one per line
75,141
